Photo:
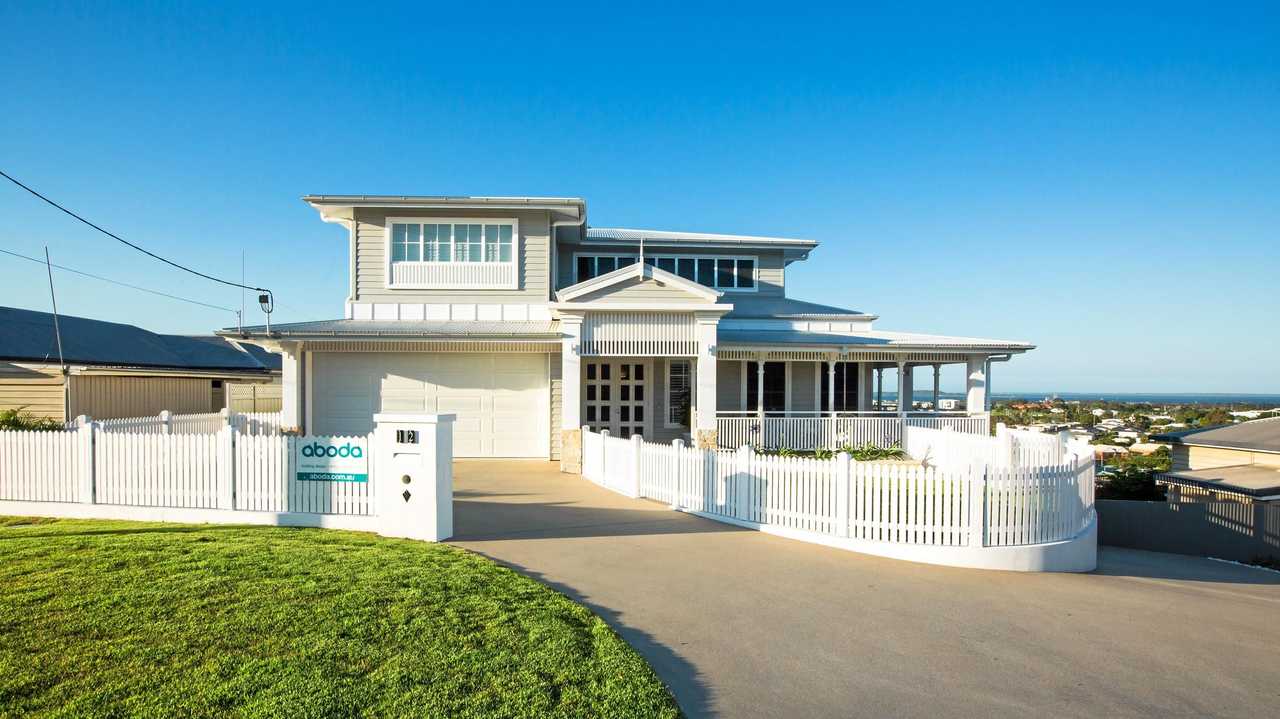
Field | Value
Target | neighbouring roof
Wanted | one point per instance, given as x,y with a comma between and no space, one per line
881,338
1252,480
1260,435
28,336
757,307
439,200
700,238
405,329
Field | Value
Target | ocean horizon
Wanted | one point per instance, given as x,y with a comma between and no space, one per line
1132,397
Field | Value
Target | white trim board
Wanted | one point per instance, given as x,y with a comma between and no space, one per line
463,311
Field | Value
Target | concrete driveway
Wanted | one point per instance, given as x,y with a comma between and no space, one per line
742,624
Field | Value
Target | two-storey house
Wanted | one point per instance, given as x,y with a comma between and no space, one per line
527,323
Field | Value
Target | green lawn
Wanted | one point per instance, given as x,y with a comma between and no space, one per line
117,619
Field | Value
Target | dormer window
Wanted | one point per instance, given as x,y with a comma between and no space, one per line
722,273
433,253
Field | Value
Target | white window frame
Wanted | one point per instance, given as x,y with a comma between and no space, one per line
666,414
514,262
755,270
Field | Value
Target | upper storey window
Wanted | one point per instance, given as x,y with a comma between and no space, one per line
452,254
722,273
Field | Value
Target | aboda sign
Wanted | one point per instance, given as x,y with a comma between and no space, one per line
332,459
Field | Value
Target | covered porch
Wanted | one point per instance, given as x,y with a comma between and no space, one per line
805,399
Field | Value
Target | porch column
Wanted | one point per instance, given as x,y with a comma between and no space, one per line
904,389
831,400
705,425
879,388
976,384
571,394
291,387
937,375
831,384
864,386
986,404
760,389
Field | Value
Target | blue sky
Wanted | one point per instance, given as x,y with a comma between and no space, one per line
1102,182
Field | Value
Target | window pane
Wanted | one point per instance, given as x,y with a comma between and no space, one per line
667,263
397,252
604,392
445,239
624,413
604,371
746,273
430,252
650,261
490,243
397,243
625,372
475,243
639,372
639,393
639,415
591,413
586,267
604,412
687,269
625,261
605,265
624,393
504,234
591,393
724,273
413,250
707,272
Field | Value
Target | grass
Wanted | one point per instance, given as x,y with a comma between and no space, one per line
127,619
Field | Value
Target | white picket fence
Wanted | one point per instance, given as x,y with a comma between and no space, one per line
206,423
1007,449
219,470
823,430
975,506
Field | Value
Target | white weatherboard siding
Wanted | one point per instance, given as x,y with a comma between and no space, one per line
533,282
501,400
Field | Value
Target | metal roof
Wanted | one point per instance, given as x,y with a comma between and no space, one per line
1261,435
1252,480
406,329
874,338
28,336
755,306
630,235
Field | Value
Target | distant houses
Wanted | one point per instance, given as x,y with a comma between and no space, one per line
1239,463
107,370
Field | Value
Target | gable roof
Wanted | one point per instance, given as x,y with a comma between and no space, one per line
633,271
28,336
1260,435
764,307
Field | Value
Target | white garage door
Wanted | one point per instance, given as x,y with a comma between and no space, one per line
501,400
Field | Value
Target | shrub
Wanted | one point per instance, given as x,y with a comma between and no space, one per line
1130,482
869,452
18,419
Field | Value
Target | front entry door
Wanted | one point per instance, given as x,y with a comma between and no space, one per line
616,395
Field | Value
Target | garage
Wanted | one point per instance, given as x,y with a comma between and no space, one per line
501,400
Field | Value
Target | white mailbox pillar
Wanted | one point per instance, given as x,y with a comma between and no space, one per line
413,475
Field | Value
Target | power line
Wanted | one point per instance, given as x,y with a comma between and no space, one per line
122,284
130,244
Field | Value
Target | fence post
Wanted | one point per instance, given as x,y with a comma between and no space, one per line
582,450
637,446
166,419
741,477
84,435
674,472
977,504
226,465
843,478
1005,439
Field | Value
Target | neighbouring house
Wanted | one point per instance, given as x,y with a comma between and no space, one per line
528,323
109,370
1238,462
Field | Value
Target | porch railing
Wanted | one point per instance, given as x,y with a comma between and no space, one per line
805,431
